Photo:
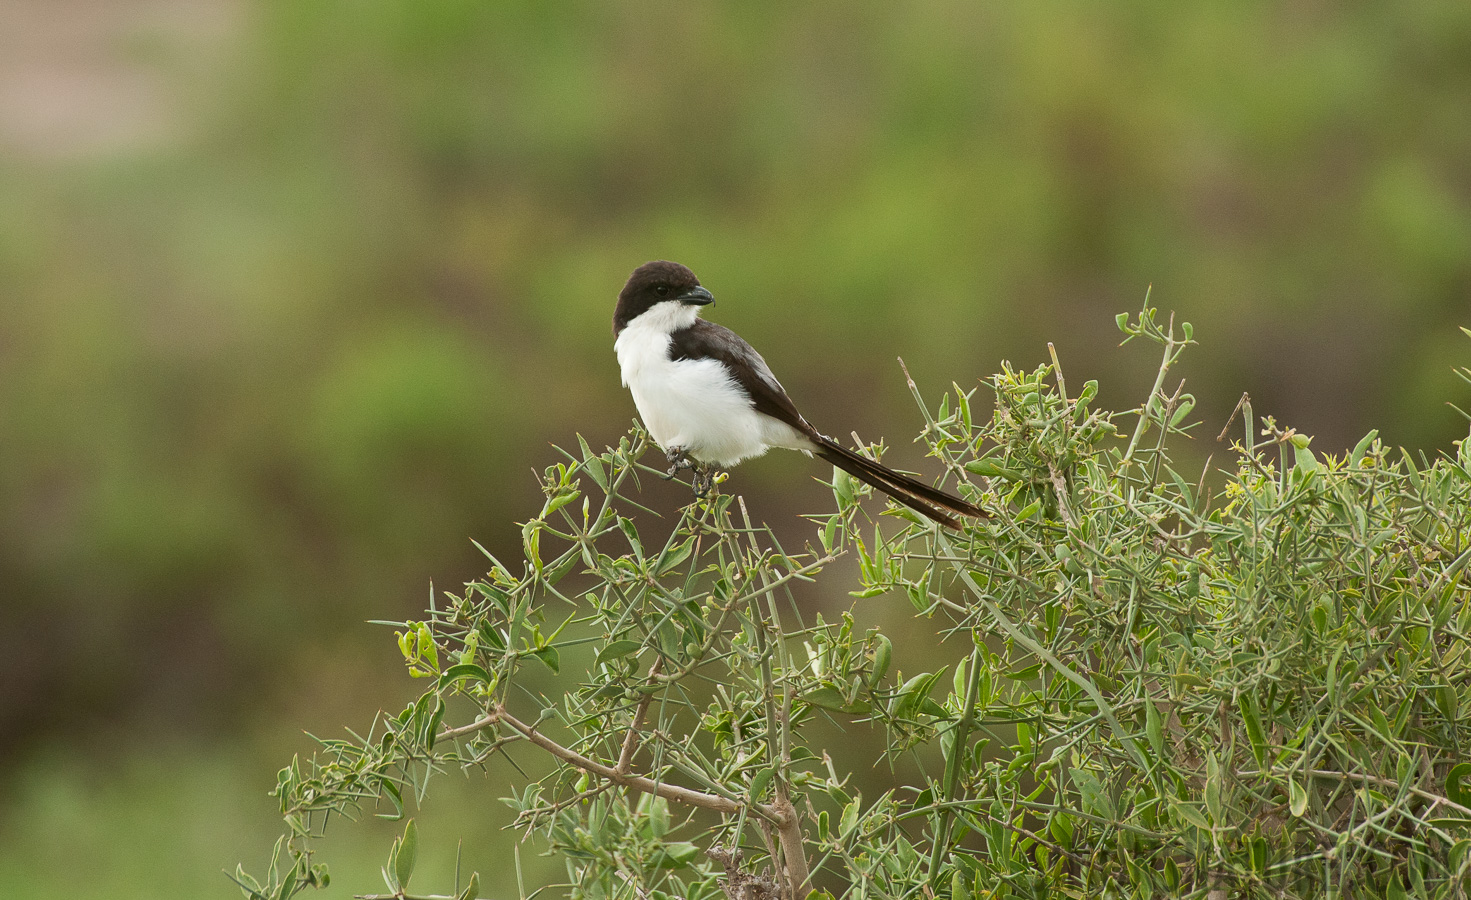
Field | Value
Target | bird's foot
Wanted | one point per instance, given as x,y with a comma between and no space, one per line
678,459
704,477
704,480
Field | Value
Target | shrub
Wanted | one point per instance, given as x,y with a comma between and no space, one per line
1247,682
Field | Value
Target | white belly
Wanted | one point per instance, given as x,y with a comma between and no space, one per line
695,405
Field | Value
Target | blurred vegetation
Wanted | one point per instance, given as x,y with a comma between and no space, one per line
262,375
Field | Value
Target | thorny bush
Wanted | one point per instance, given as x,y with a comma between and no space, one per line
1250,682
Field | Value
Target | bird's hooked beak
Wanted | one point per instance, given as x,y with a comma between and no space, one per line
696,296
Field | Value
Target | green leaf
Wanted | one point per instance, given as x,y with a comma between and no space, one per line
1319,616
1154,727
991,470
914,692
593,464
659,816
463,670
247,882
1061,828
1362,447
959,886
829,697
1027,673
1187,403
1395,890
1028,511
1332,679
557,502
1297,798
1447,700
429,726
287,886
549,657
680,854
1455,786
1090,391
929,707
428,650
1024,737
1410,471
630,532
1254,732
883,654
472,890
1381,723
1303,459
408,852
1459,851
1257,850
531,543
1213,786
843,487
1138,876
394,795
1190,814
759,783
564,565
673,556
829,533
1095,798
617,650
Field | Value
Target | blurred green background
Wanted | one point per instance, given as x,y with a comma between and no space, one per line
295,294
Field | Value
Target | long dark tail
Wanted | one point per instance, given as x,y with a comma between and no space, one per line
911,492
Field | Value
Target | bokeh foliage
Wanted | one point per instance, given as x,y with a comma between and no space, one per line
1175,687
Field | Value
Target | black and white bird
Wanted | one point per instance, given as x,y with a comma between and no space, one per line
709,400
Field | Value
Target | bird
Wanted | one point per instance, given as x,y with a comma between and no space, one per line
709,400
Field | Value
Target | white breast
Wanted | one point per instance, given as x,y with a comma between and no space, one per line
693,405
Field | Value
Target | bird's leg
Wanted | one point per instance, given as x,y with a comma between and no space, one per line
703,481
703,475
678,459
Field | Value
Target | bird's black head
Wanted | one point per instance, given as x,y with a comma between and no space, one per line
657,282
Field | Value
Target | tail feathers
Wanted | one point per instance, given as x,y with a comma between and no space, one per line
910,492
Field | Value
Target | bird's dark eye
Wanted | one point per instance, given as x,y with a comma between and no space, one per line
661,289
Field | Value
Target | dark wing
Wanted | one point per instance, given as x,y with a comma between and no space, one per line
706,340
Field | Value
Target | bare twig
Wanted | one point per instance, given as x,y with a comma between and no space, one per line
741,885
637,782
1245,400
630,741
1064,505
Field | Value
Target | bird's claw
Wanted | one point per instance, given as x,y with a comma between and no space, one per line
678,459
703,481
704,476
